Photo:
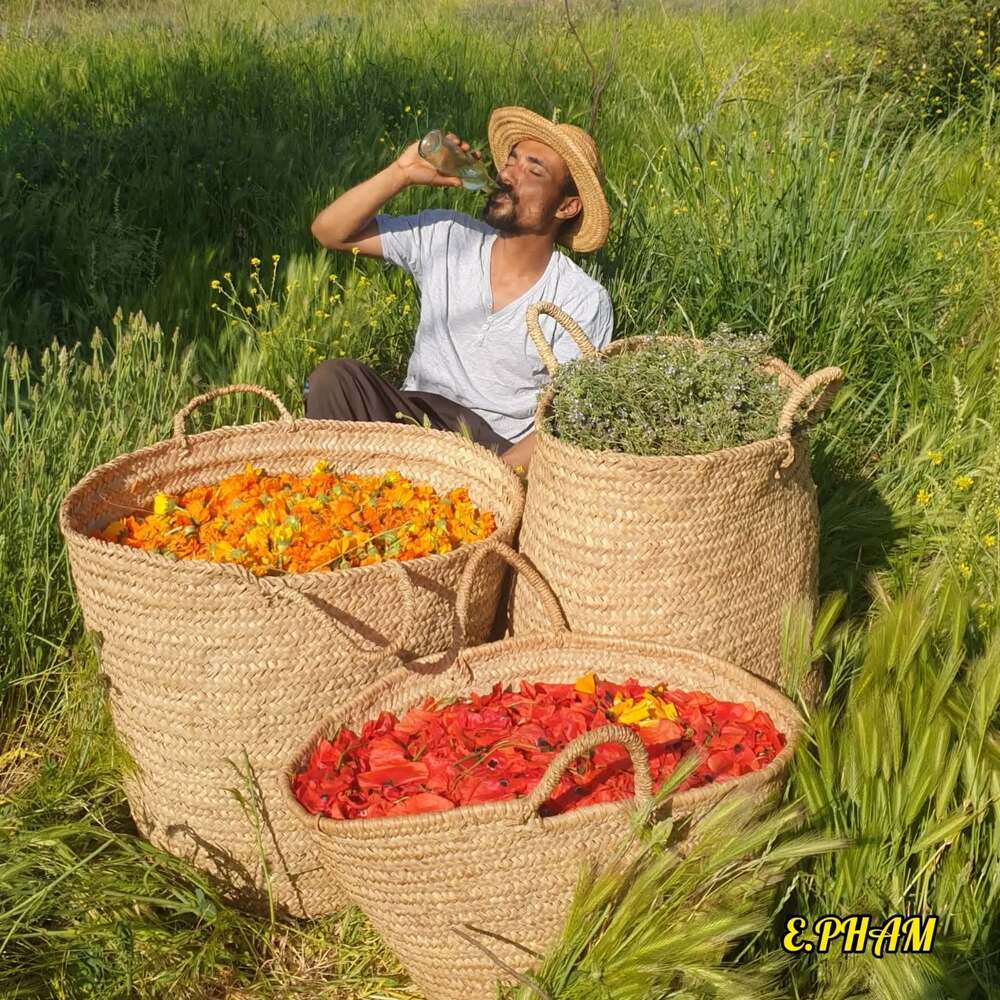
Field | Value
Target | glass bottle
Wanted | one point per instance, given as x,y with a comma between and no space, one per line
448,158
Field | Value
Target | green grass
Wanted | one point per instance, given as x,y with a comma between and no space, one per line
145,152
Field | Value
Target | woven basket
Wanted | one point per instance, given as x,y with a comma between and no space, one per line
704,551
213,672
429,882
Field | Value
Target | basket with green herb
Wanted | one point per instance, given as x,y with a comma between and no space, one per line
670,494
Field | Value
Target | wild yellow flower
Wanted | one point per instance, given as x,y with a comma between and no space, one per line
406,110
228,275
355,250
963,483
979,224
255,261
931,216
275,258
216,285
989,541
713,163
923,497
935,457
965,570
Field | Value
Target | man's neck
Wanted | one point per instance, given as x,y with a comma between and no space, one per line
522,255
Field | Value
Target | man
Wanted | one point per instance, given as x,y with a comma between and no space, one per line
473,363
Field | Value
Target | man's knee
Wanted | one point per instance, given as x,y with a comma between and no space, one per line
332,373
330,386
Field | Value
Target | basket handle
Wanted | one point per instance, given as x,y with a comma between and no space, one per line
364,646
583,744
521,565
825,384
574,329
180,436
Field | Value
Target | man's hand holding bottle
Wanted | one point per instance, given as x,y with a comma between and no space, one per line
443,161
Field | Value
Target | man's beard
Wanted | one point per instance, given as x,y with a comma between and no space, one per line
504,215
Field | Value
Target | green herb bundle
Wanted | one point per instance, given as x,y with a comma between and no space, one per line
669,397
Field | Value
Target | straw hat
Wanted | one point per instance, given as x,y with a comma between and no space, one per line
508,126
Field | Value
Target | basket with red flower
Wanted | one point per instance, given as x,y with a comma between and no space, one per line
466,790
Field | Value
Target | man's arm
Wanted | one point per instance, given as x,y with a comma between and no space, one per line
349,221
520,453
597,321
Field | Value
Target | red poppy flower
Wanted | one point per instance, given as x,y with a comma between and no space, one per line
496,746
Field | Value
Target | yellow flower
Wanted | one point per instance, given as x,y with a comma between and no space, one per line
935,457
989,541
216,284
283,535
255,261
267,519
713,163
228,275
163,504
963,483
275,258
320,467
923,497
355,251
648,710
965,570
406,110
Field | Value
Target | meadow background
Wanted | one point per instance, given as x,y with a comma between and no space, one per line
824,171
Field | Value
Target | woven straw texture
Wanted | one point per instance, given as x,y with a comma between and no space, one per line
429,882
703,551
206,662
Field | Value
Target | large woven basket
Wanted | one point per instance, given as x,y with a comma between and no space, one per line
213,672
430,884
705,551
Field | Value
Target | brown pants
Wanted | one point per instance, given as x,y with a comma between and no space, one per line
344,389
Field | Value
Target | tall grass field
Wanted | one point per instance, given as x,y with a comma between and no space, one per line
825,171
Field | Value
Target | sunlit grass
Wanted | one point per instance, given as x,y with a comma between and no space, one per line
148,153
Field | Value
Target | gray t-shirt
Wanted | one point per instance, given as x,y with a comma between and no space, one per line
463,350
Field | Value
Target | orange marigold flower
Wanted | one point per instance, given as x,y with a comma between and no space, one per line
290,523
